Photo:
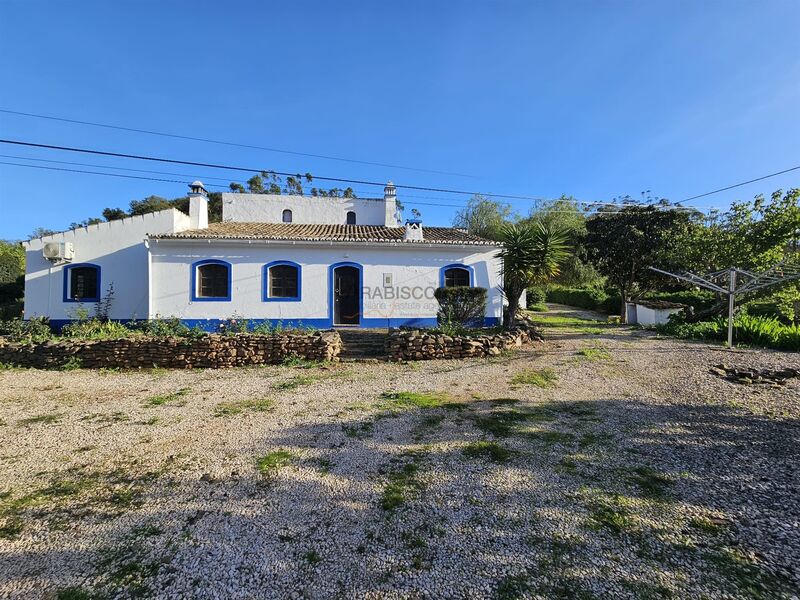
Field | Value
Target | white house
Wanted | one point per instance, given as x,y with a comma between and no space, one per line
298,260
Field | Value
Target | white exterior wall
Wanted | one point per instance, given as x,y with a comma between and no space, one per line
415,267
268,208
654,316
117,247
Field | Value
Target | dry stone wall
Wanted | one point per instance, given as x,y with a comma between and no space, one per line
425,345
208,352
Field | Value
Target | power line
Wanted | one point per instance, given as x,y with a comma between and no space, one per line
255,170
226,143
85,172
735,185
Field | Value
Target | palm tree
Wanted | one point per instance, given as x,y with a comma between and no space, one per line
532,255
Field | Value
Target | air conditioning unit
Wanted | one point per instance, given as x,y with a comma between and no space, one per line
58,251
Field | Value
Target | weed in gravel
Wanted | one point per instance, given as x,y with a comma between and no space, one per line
402,480
325,465
269,464
651,483
359,430
74,593
643,590
300,363
115,417
47,419
708,525
151,421
746,575
543,378
294,382
568,466
512,587
312,557
611,512
425,425
162,399
411,400
502,423
235,407
72,364
3,422
594,353
490,450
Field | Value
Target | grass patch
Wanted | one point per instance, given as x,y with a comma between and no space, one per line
312,557
612,513
72,364
359,430
410,400
543,378
74,593
294,382
595,353
489,450
47,419
594,439
512,587
300,363
115,417
269,464
502,423
650,482
707,525
162,399
746,574
569,322
540,308
229,409
402,482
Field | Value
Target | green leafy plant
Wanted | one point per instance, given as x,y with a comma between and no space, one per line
31,331
461,306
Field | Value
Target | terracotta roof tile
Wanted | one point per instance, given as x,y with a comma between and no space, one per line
313,232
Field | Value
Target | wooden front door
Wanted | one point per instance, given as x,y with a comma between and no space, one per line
346,296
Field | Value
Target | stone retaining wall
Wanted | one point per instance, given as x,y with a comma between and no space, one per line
424,345
212,351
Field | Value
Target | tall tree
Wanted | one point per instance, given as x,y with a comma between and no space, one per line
566,214
624,243
483,217
532,254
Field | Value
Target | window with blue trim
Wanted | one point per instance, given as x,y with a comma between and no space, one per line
351,217
456,277
82,283
213,281
283,281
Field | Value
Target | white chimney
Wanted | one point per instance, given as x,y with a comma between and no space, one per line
198,206
390,204
413,230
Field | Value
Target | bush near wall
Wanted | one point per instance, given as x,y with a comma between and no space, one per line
460,306
210,351
603,301
747,329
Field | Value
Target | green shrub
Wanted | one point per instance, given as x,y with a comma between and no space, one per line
461,306
582,298
536,295
95,329
747,329
172,327
30,331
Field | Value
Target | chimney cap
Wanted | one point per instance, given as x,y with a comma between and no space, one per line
197,187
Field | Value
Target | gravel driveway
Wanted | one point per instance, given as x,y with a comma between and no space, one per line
606,462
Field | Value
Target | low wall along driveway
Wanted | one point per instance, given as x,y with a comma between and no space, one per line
425,345
212,351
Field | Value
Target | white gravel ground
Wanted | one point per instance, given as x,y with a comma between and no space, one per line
636,474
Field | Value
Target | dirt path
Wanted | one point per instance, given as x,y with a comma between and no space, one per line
605,462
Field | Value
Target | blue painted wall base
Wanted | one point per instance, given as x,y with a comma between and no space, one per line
212,325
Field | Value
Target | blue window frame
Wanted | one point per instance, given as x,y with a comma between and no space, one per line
456,275
211,281
82,283
282,282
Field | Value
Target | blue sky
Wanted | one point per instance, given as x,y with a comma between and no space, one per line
593,99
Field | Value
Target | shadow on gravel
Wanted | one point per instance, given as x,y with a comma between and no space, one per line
491,498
